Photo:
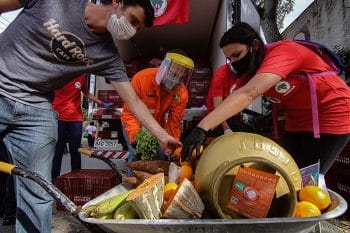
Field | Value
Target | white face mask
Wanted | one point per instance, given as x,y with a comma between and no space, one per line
120,29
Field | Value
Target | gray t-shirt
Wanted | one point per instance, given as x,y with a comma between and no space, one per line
49,44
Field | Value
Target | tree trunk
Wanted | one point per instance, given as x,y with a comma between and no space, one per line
268,16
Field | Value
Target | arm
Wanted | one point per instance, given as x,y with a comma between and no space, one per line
239,100
216,102
9,5
141,112
131,125
93,98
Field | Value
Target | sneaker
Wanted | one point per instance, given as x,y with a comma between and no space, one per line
9,220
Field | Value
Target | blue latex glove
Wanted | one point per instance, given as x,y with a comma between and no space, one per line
107,105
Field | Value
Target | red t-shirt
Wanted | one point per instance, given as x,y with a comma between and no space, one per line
287,58
223,83
67,101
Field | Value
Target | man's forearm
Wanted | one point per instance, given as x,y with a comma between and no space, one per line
142,114
138,108
9,5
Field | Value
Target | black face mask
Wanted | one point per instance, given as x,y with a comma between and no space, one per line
242,65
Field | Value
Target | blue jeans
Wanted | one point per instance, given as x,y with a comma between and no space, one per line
68,132
7,189
30,136
132,157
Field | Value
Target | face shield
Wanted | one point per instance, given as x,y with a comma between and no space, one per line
174,70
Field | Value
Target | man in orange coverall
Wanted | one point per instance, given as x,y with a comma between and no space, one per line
163,90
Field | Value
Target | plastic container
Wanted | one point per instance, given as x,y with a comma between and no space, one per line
83,185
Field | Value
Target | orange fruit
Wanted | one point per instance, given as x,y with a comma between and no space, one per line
185,171
169,190
193,157
306,209
177,153
315,195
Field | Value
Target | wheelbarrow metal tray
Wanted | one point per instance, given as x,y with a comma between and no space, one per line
262,225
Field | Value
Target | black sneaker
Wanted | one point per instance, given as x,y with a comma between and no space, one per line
9,220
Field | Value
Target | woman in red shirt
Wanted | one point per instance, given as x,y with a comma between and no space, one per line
273,71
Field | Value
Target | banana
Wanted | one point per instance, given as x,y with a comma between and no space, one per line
125,211
109,205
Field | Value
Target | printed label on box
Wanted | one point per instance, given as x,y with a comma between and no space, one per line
252,192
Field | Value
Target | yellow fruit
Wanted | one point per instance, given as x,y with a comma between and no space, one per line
169,190
306,209
316,196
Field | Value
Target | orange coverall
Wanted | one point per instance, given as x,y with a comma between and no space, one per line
159,102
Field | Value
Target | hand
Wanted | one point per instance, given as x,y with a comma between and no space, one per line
168,144
107,105
227,131
193,141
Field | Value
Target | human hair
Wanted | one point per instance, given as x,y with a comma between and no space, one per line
145,4
92,123
243,33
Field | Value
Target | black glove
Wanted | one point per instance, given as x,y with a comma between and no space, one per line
193,141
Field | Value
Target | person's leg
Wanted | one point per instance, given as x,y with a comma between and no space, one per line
307,150
10,203
131,156
74,140
61,143
31,142
90,140
3,177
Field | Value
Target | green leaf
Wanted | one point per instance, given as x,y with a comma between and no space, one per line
147,144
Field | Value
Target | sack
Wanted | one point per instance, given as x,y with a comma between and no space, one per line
326,54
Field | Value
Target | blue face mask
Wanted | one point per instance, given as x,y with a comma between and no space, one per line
170,81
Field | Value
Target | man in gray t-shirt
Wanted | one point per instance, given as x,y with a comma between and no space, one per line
47,45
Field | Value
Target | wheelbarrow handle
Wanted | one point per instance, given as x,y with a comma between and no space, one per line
6,168
93,154
51,189
85,151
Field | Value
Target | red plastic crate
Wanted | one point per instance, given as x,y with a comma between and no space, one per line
81,186
110,96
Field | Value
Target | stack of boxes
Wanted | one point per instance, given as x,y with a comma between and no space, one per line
198,87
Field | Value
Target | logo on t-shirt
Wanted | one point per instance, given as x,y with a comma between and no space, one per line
77,85
66,46
282,87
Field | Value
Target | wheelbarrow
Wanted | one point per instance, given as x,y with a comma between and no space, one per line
263,225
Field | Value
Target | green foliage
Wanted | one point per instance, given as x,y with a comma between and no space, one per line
146,147
283,8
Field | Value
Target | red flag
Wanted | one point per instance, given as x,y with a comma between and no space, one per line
170,11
